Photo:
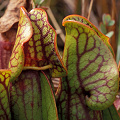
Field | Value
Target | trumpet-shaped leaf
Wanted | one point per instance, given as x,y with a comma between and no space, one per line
5,95
23,35
32,97
92,80
88,23
36,45
43,44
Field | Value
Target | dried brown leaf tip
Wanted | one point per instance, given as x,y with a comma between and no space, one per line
11,15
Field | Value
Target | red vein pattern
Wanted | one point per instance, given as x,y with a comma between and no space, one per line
92,80
5,95
32,98
42,47
35,45
24,33
88,23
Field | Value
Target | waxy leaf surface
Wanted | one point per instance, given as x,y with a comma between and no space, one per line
110,113
24,33
71,103
88,23
32,97
5,95
102,36
42,47
35,46
92,80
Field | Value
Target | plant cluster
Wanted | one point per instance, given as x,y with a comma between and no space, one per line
89,74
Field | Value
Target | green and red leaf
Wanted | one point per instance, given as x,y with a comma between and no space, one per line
32,97
43,44
24,33
92,80
38,50
5,95
88,23
110,113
